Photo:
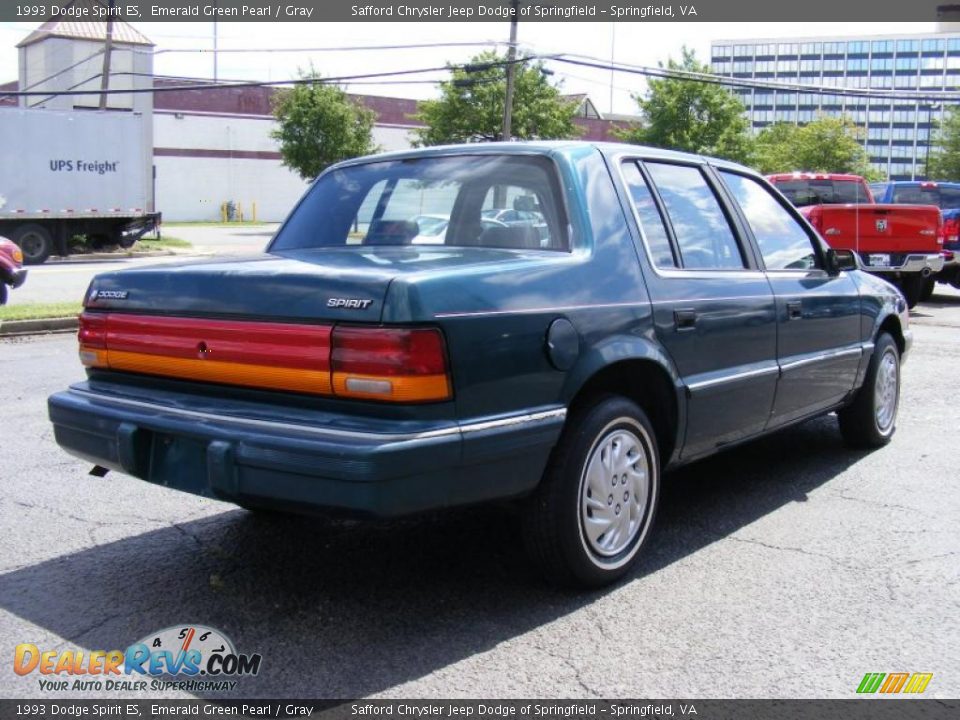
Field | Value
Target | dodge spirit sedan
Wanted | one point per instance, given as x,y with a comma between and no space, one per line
662,307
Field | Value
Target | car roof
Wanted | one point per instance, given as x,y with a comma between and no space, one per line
542,147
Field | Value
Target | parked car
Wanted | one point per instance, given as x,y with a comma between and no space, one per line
12,272
946,196
679,306
901,243
431,229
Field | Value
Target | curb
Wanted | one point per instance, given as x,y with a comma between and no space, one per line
34,327
67,259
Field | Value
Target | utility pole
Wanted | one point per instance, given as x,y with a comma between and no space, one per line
107,50
511,68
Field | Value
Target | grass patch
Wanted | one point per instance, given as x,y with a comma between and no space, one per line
39,311
164,243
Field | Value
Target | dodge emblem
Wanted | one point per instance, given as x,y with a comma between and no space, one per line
882,225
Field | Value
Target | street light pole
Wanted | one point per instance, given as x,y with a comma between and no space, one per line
511,66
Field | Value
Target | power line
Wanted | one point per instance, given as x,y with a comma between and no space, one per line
270,83
748,83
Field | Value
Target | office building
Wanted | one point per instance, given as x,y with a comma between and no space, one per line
897,133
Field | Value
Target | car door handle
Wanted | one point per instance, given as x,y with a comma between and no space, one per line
684,319
794,311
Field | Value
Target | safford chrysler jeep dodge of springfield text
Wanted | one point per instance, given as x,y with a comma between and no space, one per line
640,309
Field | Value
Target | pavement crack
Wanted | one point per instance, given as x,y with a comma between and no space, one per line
785,548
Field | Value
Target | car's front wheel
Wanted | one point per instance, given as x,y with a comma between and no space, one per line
594,508
869,421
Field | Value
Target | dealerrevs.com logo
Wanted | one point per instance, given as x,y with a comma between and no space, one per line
894,683
183,657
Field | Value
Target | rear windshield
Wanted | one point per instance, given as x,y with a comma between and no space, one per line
803,192
945,198
465,201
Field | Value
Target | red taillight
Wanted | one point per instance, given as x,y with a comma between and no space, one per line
816,219
399,364
93,339
951,230
390,364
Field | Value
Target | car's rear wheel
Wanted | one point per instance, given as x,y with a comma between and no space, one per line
36,243
592,513
870,421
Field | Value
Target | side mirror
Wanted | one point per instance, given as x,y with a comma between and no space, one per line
840,260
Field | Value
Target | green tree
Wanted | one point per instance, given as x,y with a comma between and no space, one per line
828,144
944,161
470,106
320,125
698,117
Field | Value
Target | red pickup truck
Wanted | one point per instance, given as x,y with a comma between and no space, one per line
902,243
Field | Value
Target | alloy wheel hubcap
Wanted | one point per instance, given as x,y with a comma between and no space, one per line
614,491
886,391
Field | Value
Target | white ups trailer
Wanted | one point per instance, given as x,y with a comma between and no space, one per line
74,173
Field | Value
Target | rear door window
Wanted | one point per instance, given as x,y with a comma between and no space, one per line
705,238
652,227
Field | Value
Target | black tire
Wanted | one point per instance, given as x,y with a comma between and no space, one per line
36,243
861,423
3,293
555,518
911,287
926,289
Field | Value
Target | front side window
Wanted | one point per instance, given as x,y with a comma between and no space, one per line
704,235
493,201
784,243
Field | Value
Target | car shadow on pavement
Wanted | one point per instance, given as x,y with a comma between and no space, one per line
347,609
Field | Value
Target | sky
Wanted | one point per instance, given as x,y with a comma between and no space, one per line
184,49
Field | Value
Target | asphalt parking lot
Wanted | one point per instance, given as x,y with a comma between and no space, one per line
786,568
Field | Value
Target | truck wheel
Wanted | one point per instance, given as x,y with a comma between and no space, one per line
869,421
912,287
926,289
36,243
591,514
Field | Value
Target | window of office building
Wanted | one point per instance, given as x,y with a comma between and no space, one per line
908,46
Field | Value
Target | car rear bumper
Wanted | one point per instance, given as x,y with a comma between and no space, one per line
253,458
923,263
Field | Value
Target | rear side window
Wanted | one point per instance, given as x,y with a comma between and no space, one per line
704,235
804,191
784,244
916,195
949,198
494,201
651,223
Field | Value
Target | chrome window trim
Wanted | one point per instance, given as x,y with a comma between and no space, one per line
676,272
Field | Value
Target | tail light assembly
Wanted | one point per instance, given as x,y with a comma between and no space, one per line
399,365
